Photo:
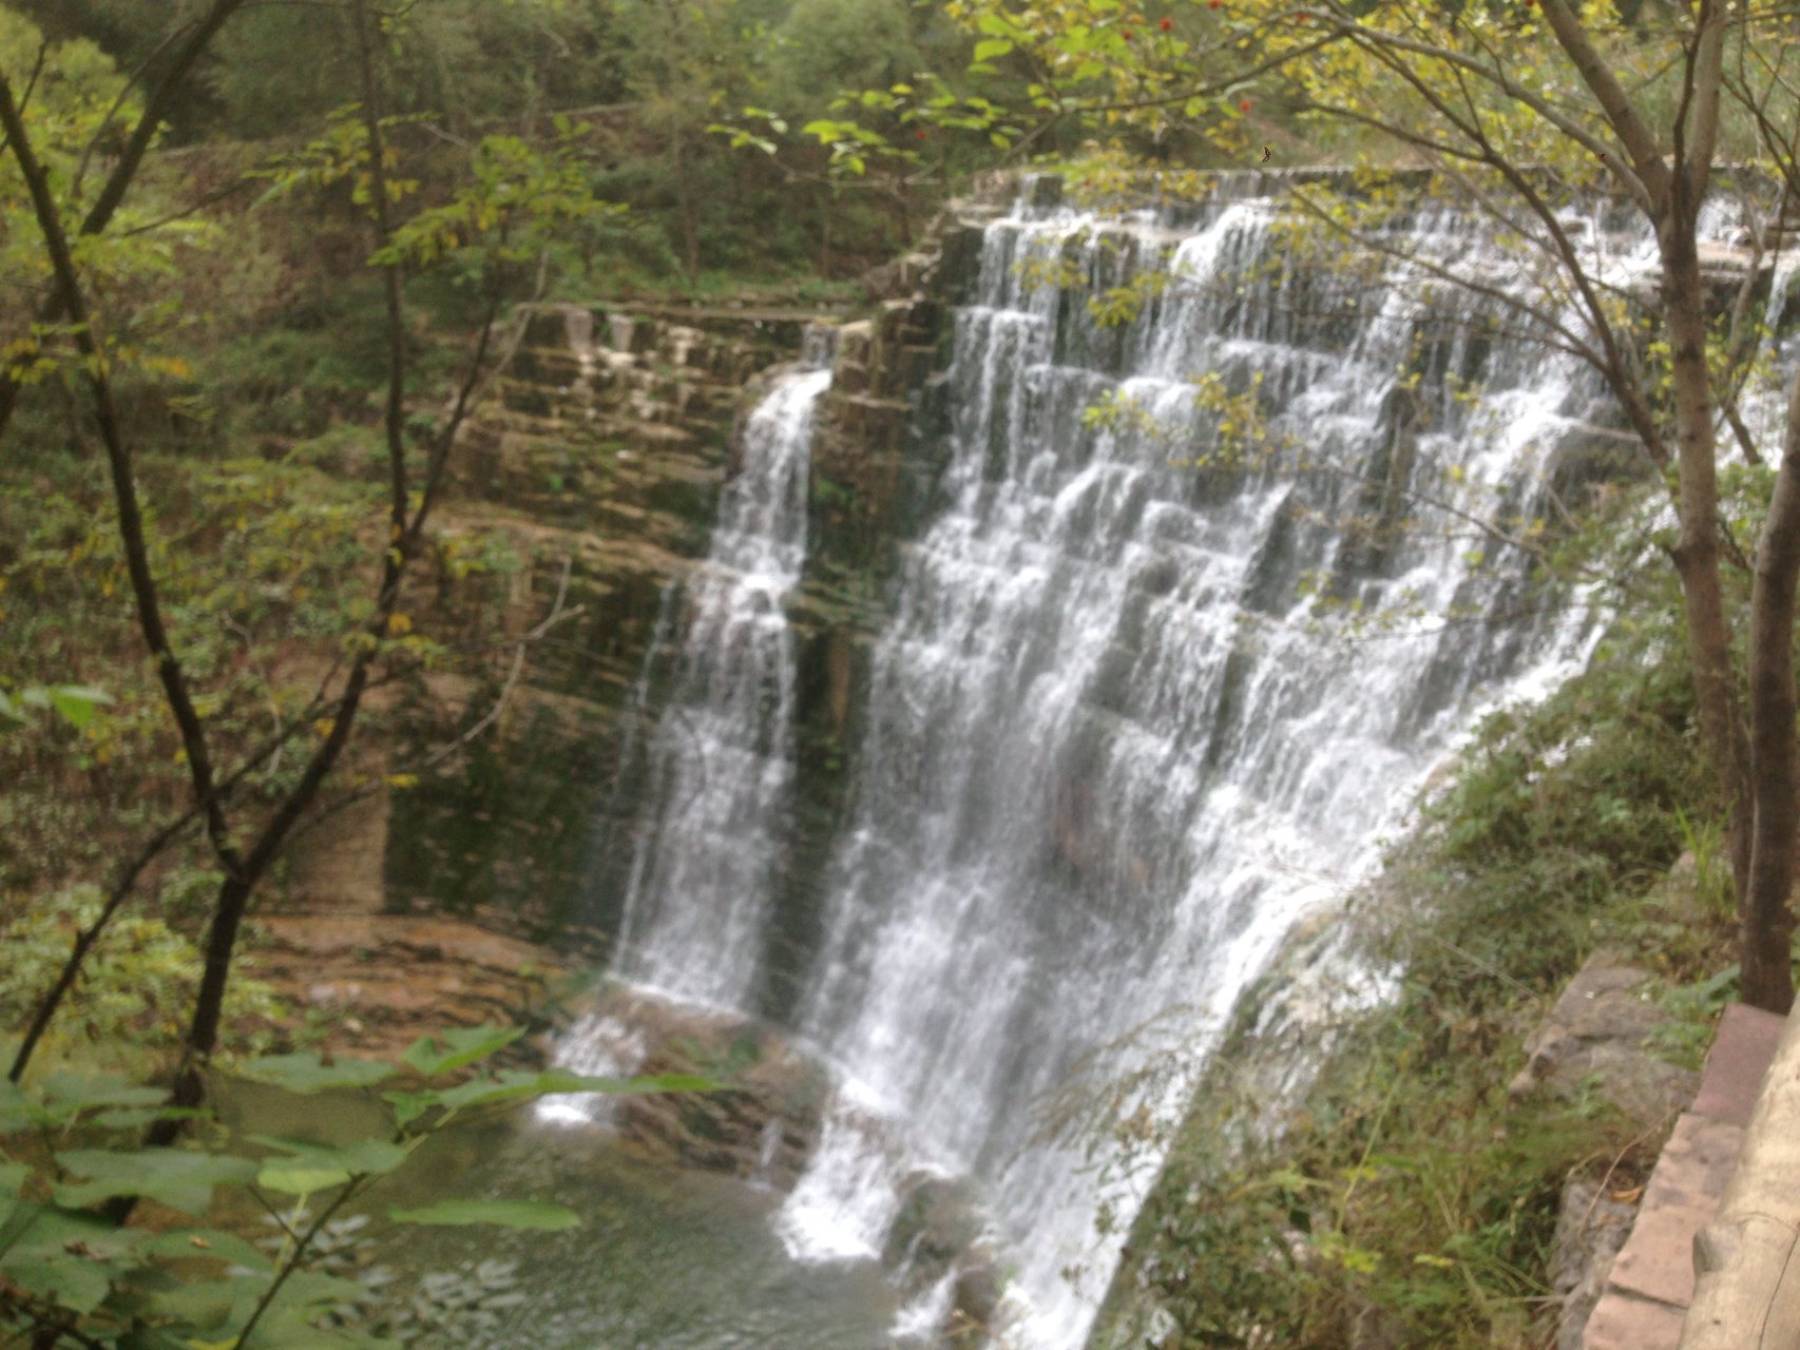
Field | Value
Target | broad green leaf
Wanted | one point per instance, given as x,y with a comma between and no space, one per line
512,1086
169,1176
433,1056
213,1304
69,1281
312,1287
77,702
409,1106
296,1178
313,1167
533,1214
45,1228
365,1157
208,1244
988,48
15,1110
137,1119
306,1072
91,1090
12,1178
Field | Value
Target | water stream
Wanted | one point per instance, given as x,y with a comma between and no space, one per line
721,760
1142,701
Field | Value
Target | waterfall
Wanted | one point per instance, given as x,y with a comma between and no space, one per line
1112,754
720,762
1144,699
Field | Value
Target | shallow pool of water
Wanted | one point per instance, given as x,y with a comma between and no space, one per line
665,1259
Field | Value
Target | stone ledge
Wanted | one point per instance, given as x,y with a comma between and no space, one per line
1682,1197
1747,1292
1626,1322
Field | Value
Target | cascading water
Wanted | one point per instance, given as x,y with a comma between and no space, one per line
1111,751
721,760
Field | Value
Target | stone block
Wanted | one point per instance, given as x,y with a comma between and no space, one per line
1624,1322
1591,1227
1597,1034
1683,1196
1740,1056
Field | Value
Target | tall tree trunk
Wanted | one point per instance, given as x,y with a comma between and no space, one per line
1722,734
1767,923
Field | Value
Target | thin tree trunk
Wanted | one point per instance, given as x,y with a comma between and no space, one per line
1722,736
1765,964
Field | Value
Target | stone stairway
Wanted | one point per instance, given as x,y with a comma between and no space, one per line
1652,1279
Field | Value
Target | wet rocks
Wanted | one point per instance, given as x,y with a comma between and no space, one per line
763,1122
372,984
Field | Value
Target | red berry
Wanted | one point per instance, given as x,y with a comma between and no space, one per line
1244,105
1214,4
1166,25
1126,34
919,134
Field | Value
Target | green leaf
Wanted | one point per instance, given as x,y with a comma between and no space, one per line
533,1214
513,1086
434,1056
213,1304
409,1106
71,1282
365,1157
209,1244
16,1111
307,1073
311,1168
299,1179
989,48
170,1176
138,1118
77,702
89,1090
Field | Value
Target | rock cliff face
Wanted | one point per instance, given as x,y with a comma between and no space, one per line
590,475
585,492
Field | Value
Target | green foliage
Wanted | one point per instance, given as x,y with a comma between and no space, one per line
136,988
64,1264
500,1213
76,704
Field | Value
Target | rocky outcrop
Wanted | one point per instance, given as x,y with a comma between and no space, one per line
1598,1041
372,984
584,488
1599,1038
759,1125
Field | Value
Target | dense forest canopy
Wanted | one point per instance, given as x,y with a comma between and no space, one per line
263,263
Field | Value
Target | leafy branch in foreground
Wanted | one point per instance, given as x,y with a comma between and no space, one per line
67,1272
513,203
